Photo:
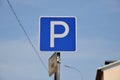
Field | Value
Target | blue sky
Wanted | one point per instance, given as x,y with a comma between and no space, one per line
98,38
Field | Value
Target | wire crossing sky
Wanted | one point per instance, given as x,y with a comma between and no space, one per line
26,34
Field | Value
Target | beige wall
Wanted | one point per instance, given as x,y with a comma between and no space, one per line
112,73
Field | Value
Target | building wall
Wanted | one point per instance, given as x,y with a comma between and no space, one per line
112,73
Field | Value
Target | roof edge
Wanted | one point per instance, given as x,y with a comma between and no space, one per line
109,65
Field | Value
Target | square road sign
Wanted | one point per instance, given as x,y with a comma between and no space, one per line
58,33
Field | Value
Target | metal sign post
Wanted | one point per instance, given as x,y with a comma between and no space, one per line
57,74
54,65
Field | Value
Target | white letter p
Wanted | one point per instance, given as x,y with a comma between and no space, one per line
52,31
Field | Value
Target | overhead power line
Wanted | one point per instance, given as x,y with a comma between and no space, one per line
67,66
28,38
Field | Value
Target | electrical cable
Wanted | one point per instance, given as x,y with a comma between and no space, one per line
28,38
71,67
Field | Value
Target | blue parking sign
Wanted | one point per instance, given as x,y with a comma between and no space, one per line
57,33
